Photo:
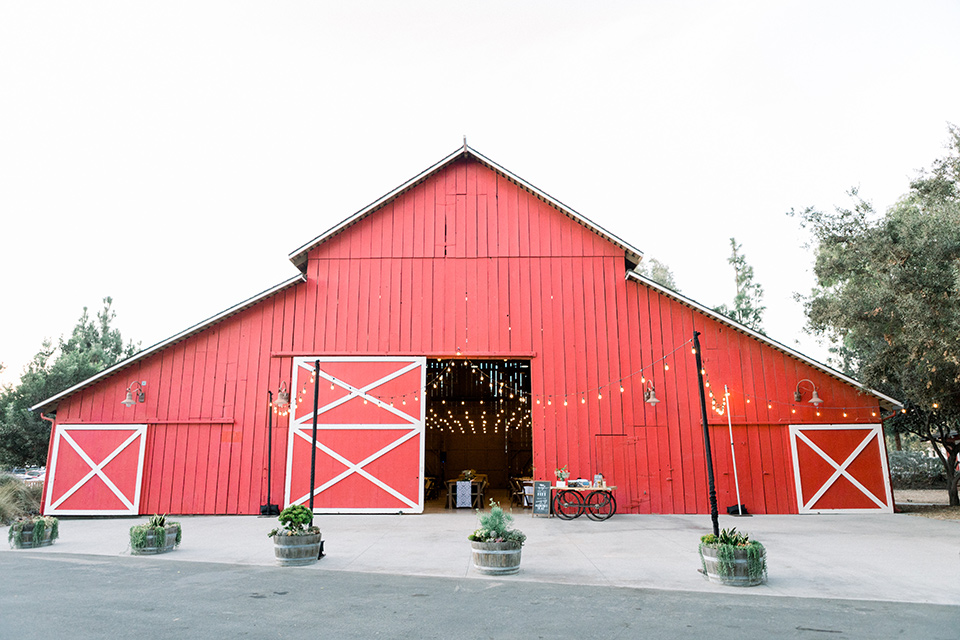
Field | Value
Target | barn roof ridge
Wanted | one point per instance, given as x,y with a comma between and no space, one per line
299,255
159,346
756,335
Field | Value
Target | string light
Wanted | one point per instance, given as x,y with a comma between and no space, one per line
504,389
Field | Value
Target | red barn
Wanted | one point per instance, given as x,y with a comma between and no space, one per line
464,320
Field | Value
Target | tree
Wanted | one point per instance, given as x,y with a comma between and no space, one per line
93,345
657,271
888,297
748,302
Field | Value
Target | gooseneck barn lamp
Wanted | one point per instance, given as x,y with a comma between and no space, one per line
814,398
141,396
283,398
650,394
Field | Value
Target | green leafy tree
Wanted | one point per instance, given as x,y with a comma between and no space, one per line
658,272
888,298
748,305
93,345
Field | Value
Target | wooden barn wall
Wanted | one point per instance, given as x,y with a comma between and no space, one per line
206,411
468,260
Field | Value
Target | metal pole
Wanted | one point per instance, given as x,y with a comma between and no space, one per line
269,509
706,437
733,454
313,448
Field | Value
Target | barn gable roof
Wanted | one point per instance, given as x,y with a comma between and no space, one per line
886,401
299,256
183,335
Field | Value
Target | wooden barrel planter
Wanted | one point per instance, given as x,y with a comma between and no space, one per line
151,545
733,572
20,535
297,551
26,539
496,558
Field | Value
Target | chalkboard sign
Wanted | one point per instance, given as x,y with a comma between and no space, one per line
541,498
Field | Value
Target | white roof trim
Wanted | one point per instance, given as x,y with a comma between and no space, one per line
759,336
298,255
186,333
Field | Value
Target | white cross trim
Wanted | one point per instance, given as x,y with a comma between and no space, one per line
96,469
358,392
840,469
358,468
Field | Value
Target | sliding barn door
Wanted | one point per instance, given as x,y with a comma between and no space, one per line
840,469
95,470
370,435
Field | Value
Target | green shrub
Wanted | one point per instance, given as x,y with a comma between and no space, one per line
915,469
296,521
495,527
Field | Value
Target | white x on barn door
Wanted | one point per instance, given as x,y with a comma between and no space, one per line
370,434
95,469
840,469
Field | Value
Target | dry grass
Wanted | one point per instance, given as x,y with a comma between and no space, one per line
18,498
927,503
935,511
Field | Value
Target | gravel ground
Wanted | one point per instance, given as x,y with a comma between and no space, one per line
928,503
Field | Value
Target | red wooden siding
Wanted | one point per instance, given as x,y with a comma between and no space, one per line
469,260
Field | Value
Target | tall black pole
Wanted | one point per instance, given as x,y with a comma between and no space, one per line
706,437
269,509
313,449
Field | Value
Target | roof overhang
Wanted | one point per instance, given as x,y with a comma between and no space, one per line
299,255
885,401
183,335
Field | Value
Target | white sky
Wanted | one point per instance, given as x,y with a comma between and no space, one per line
171,155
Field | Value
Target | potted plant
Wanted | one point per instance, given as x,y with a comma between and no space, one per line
33,531
562,474
496,547
732,558
297,542
155,536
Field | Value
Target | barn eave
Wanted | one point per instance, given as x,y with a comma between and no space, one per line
52,402
885,401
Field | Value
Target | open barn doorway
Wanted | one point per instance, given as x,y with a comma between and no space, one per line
477,418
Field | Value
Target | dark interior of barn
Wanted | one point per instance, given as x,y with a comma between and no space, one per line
477,419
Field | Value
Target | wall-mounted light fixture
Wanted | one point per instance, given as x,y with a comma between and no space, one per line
283,398
814,398
650,395
135,387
